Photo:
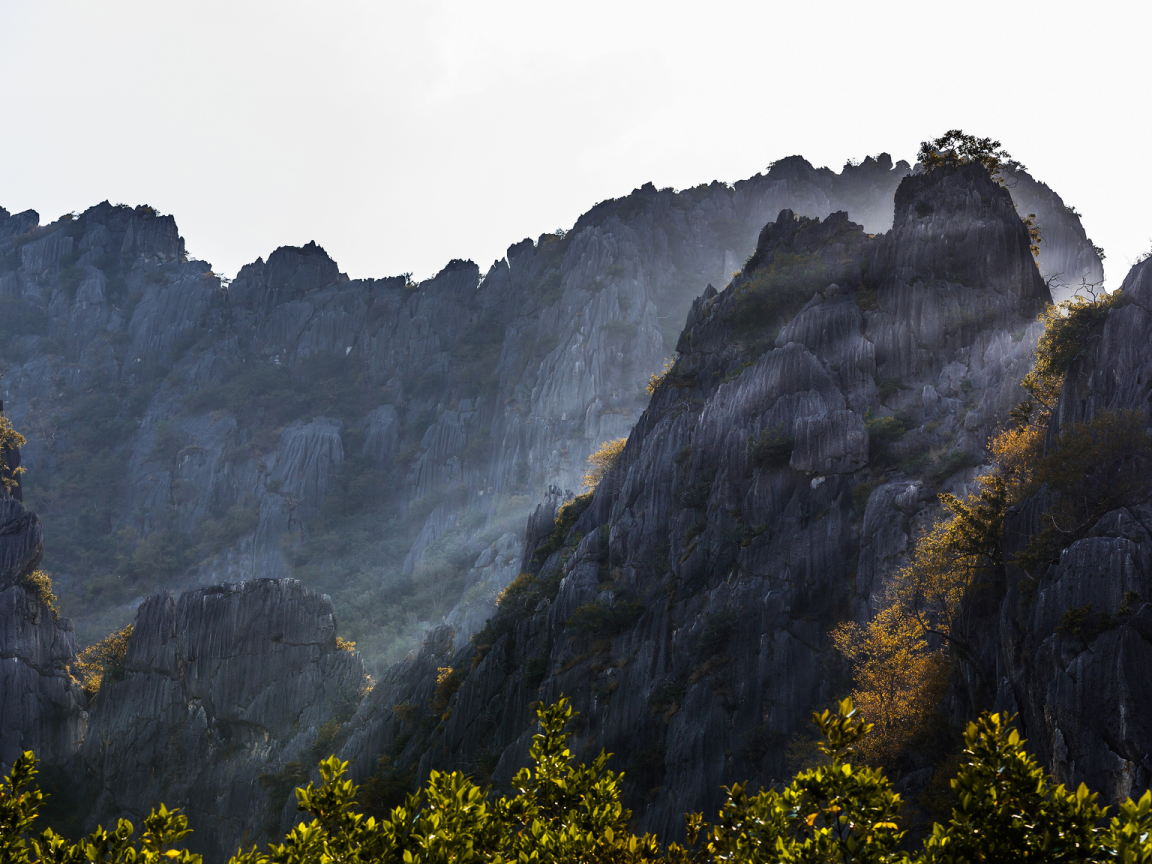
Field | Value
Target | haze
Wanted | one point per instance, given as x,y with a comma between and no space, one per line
399,136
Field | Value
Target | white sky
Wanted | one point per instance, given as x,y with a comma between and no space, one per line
400,135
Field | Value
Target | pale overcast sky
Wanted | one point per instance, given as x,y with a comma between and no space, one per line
400,135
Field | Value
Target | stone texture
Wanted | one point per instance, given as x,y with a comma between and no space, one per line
222,686
761,559
1083,700
41,707
581,322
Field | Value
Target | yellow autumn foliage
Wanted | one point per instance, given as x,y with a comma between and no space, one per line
39,583
899,680
104,659
656,378
601,462
10,439
900,659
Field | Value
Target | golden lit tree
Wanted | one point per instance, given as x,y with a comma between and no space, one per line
104,659
10,439
899,679
601,462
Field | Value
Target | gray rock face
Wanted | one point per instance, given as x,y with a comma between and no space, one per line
714,568
477,391
1082,697
717,572
21,540
1068,259
222,686
41,707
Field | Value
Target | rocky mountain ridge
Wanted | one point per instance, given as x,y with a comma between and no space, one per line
187,431
768,489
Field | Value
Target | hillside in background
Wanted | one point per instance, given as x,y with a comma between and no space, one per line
845,345
373,438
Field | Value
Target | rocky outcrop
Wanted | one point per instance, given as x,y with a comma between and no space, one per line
385,437
41,707
223,689
767,492
1068,259
185,400
1082,691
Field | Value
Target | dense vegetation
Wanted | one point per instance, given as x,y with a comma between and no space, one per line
903,659
559,811
10,439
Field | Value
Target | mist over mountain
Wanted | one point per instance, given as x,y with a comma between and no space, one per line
252,472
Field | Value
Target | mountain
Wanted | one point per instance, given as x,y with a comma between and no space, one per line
383,442
371,437
771,487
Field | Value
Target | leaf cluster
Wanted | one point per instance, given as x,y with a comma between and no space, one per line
104,659
772,450
1069,329
1093,468
956,148
601,462
39,584
20,800
570,813
10,440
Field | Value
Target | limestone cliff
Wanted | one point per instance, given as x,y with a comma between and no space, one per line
41,707
371,437
765,494
383,441
1082,696
225,691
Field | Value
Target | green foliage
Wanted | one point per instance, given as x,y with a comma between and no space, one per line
476,353
770,295
1069,327
105,659
832,812
772,450
223,529
939,470
447,683
161,556
717,633
602,461
889,386
566,516
666,696
263,395
1006,810
19,319
359,485
883,431
167,443
1094,468
20,802
955,148
10,439
860,494
536,667
39,585
696,496
1081,622
602,620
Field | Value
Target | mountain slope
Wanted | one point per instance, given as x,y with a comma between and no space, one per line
765,494
372,437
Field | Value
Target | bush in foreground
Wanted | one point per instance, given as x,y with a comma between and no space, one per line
562,812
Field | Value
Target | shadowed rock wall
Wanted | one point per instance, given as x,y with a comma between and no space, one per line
714,575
